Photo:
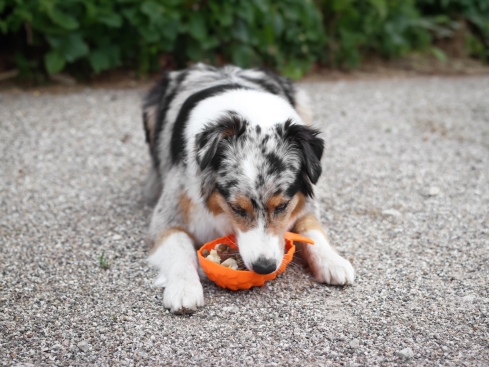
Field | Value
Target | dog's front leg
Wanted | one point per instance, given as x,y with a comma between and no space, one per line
325,263
175,257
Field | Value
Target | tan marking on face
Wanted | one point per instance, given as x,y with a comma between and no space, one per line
309,222
186,206
273,202
163,235
300,204
215,203
244,224
278,223
244,203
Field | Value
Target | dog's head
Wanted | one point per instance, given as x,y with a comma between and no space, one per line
260,178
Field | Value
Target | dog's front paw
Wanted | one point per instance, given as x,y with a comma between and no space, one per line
333,269
183,296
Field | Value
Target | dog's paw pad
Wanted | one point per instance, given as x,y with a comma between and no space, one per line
333,269
183,296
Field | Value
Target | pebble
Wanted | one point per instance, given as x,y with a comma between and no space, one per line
406,353
83,345
469,298
392,212
354,344
434,191
233,309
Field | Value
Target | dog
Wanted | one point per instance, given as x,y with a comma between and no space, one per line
232,151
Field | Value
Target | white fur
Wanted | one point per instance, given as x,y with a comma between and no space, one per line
259,108
176,260
250,169
257,243
326,264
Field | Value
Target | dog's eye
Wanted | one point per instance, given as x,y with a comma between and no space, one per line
238,210
281,207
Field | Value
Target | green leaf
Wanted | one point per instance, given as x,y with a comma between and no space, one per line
194,52
240,31
210,43
63,20
196,26
99,60
74,48
295,69
242,55
131,14
380,6
112,20
54,62
245,12
71,47
152,10
149,33
439,54
278,24
223,13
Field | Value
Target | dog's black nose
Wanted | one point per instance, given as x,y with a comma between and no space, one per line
264,266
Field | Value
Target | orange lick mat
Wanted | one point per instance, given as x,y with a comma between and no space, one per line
244,279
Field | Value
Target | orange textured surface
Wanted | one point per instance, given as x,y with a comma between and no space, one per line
244,279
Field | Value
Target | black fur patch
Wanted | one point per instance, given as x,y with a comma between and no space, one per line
265,84
284,83
177,148
230,126
162,96
276,163
156,97
311,148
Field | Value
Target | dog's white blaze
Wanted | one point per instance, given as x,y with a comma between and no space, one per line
249,168
258,108
256,243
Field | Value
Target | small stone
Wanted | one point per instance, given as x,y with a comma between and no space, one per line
469,298
354,344
406,353
391,212
232,309
83,345
116,237
434,191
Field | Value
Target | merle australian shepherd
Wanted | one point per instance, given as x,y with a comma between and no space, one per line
232,152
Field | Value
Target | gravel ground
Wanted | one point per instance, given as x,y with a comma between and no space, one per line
405,196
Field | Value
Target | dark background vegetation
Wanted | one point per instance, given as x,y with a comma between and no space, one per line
87,37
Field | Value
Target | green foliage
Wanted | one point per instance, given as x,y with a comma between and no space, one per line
474,13
102,261
90,36
103,34
390,28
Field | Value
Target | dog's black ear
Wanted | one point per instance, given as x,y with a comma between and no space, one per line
208,141
306,140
